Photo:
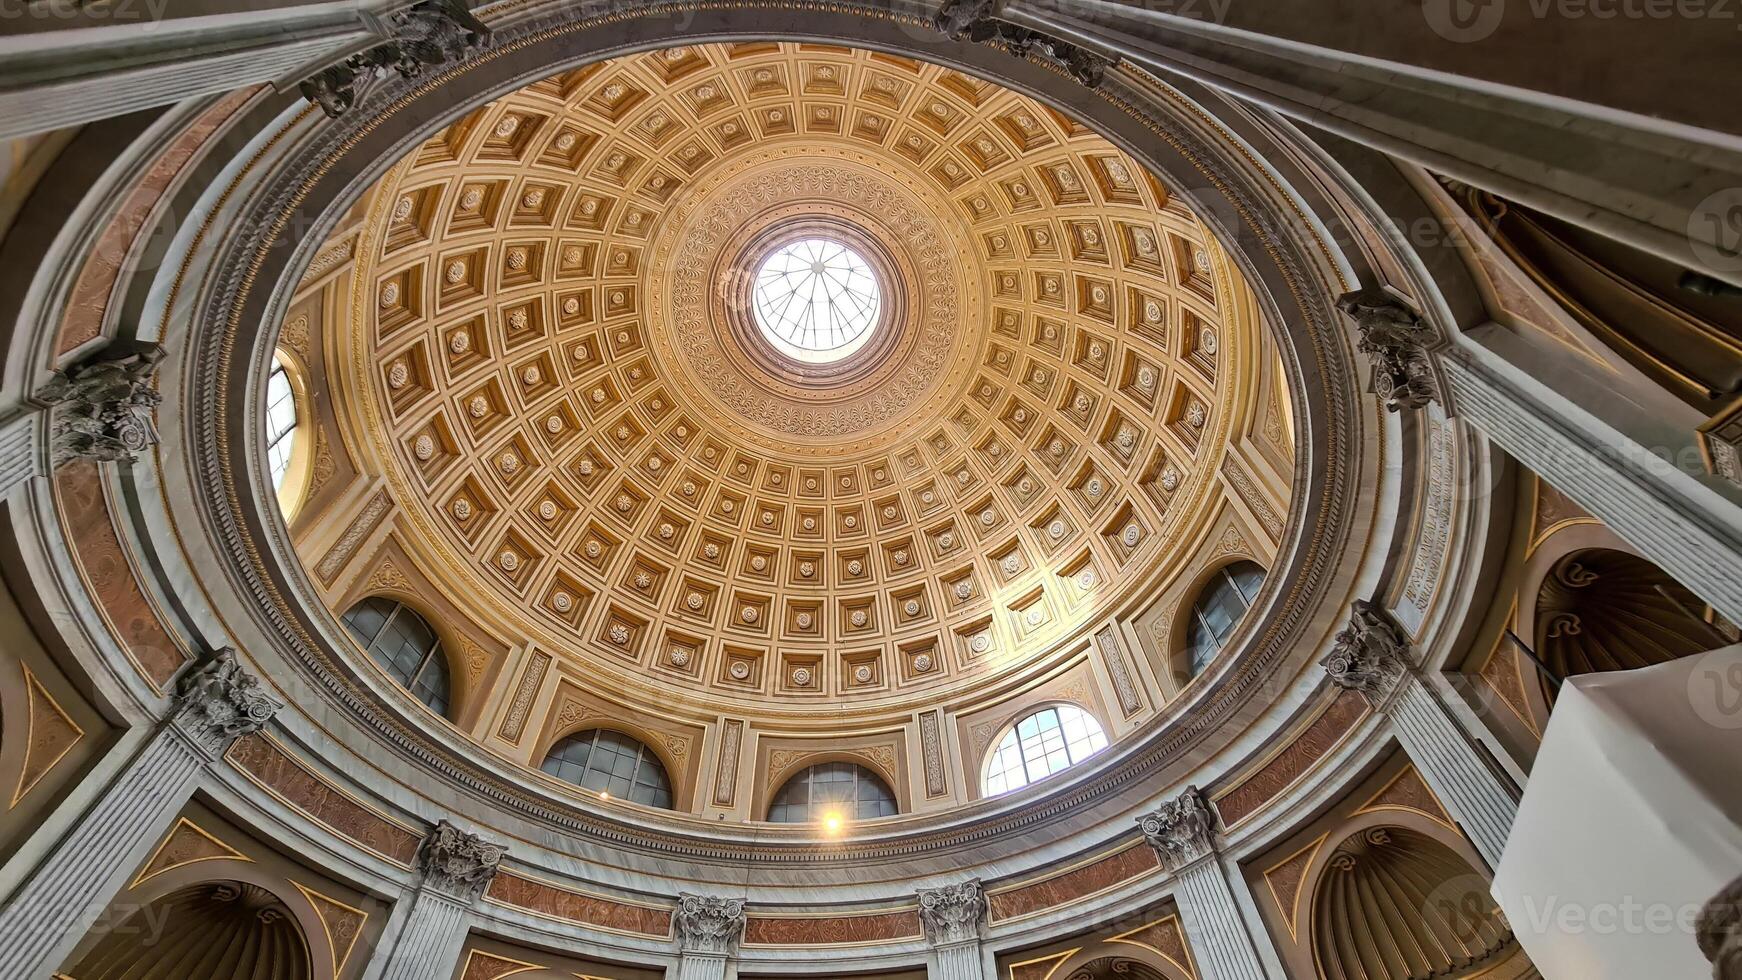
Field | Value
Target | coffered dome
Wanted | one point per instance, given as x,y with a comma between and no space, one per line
803,378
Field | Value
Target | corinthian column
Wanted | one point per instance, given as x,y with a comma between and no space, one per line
1371,656
708,928
216,703
1183,833
952,916
455,869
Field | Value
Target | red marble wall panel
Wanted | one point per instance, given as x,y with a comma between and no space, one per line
560,903
89,299
880,927
295,784
1292,762
91,532
1087,880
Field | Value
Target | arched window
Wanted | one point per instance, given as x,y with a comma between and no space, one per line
405,646
1225,599
280,422
611,762
840,790
1053,738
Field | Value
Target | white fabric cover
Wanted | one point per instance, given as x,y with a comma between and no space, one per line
1632,820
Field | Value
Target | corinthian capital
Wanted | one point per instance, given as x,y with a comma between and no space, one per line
1718,930
708,923
1370,655
1395,342
424,35
458,864
105,405
977,20
220,700
952,914
1182,830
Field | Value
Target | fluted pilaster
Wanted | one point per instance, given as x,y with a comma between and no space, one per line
1477,796
1684,529
1183,833
218,702
708,928
456,868
1372,657
952,917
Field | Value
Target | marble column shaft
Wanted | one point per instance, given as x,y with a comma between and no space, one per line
1685,529
697,966
57,905
1213,925
958,961
1477,796
430,941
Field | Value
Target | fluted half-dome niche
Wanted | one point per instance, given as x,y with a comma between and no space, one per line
224,930
1602,609
1394,904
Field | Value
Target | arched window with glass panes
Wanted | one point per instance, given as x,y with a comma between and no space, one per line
281,421
833,790
611,763
1218,609
406,647
1039,744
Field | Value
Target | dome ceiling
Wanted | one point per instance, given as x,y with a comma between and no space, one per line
553,358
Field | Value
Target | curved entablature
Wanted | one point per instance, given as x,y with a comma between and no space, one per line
1264,466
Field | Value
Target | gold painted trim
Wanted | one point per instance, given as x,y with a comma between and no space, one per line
1103,856
1442,819
1057,958
342,791
310,895
585,893
1187,969
145,873
1291,914
32,686
1252,769
524,966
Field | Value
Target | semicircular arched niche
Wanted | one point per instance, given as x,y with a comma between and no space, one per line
216,930
1601,609
1398,905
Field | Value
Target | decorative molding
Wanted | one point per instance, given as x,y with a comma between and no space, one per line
1436,516
974,20
427,34
514,725
1721,443
1253,497
186,843
1395,340
49,734
1718,929
1119,670
220,701
258,255
20,451
1182,830
1370,655
708,924
932,750
458,864
361,526
952,914
105,404
726,768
